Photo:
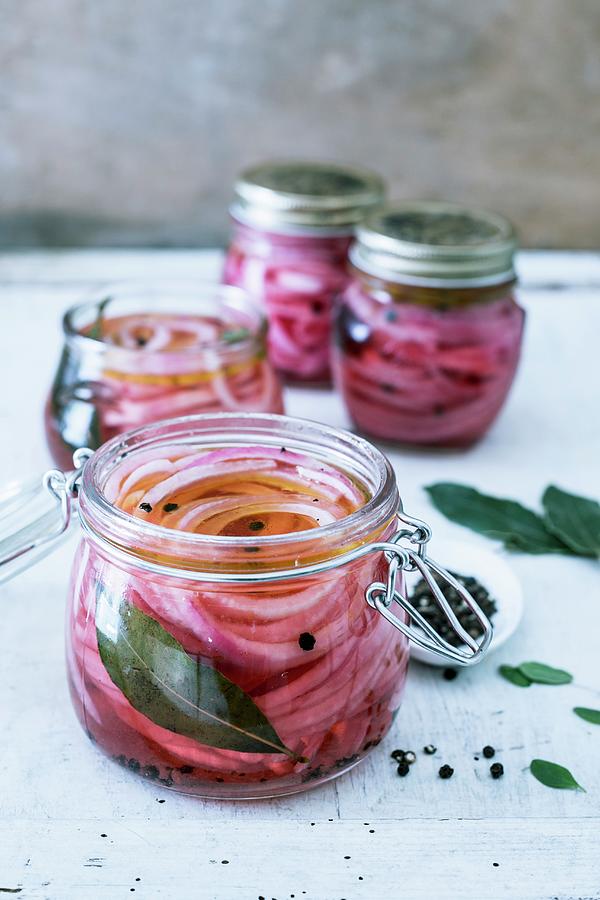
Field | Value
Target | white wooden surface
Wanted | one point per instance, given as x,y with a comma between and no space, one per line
425,838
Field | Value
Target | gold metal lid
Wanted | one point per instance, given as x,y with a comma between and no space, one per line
436,244
295,195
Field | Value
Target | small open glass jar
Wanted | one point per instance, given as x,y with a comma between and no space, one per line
218,657
428,333
292,226
137,353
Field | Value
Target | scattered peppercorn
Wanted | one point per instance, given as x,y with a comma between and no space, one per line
449,674
446,772
170,507
251,549
146,507
429,749
488,751
497,770
141,341
256,525
398,755
410,757
403,769
307,641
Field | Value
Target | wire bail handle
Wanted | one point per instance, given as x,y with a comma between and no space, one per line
37,538
65,486
381,596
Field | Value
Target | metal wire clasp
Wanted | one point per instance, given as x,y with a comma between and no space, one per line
381,596
39,533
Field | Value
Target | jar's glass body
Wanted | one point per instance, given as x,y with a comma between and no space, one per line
298,278
426,365
264,686
173,350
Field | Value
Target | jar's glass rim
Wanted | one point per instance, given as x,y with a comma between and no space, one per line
112,523
174,291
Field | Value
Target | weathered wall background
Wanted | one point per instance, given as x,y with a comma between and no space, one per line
125,122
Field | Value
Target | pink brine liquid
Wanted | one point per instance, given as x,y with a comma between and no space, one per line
431,374
143,367
298,279
232,689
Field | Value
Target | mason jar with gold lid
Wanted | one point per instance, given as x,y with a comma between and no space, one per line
292,226
428,334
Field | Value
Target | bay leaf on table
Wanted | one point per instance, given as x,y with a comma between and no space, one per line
588,715
506,520
554,776
173,688
574,520
514,675
540,673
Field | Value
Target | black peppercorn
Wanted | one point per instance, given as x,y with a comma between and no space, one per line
146,507
446,772
256,525
170,507
488,752
410,757
307,641
398,755
403,769
497,770
429,749
449,674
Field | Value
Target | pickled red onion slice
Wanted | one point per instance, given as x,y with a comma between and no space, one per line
298,280
416,374
161,331
238,491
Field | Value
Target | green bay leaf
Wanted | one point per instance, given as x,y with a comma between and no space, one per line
506,520
173,688
514,675
539,673
573,519
554,776
588,715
